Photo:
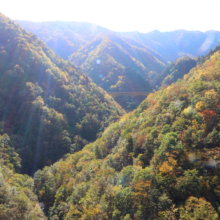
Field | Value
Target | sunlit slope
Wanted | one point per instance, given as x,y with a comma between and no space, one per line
64,38
17,198
174,44
115,51
158,162
106,60
177,70
81,42
47,106
103,55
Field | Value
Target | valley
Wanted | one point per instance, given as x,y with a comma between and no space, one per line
97,124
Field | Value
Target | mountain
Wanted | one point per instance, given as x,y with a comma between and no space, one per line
102,54
177,70
160,161
113,51
106,60
48,107
64,38
174,44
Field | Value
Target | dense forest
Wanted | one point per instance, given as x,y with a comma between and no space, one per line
48,107
159,162
69,151
177,70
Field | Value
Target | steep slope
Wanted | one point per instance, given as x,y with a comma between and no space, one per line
175,44
159,162
113,50
64,38
47,106
17,199
105,60
177,70
102,54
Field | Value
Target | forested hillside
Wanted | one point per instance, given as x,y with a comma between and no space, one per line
64,38
160,161
17,198
103,55
47,106
177,70
88,159
107,59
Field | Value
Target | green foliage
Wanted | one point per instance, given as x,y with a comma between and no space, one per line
17,200
8,156
177,70
168,144
48,108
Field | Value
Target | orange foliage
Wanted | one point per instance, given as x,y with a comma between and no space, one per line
209,115
211,63
153,102
140,140
141,188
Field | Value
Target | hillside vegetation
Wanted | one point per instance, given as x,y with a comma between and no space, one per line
159,162
105,55
115,65
17,198
177,70
91,161
47,106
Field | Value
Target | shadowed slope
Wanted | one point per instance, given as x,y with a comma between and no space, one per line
47,106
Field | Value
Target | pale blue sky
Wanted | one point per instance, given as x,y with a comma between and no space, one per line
121,15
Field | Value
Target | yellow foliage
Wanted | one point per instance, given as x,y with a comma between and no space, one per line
82,78
63,75
188,111
195,125
211,94
199,106
172,161
10,181
166,168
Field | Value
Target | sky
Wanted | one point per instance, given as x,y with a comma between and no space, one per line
121,15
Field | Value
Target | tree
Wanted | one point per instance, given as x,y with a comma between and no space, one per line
198,208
